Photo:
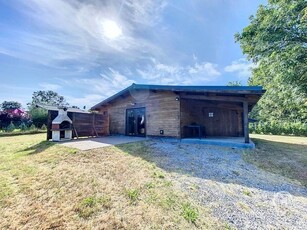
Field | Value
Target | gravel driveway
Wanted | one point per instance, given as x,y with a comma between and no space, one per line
237,192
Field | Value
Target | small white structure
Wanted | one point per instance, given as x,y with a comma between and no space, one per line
62,123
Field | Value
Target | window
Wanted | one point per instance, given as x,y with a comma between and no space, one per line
210,114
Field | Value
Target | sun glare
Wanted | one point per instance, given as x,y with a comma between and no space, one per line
111,30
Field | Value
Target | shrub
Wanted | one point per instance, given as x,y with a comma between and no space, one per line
44,127
10,128
39,117
279,128
23,127
32,127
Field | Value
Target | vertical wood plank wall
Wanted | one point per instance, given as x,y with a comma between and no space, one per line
226,120
162,112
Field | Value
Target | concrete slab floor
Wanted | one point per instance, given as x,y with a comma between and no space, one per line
99,142
233,142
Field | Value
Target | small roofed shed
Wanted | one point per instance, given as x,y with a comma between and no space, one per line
180,111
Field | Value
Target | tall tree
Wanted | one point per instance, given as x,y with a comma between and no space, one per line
39,116
8,105
276,40
48,98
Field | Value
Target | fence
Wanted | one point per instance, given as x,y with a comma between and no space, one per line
84,124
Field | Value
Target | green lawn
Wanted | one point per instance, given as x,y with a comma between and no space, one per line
44,185
284,155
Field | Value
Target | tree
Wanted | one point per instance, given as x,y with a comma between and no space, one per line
40,116
9,105
282,103
48,98
276,39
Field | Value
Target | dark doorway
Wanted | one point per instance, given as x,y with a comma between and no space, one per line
136,122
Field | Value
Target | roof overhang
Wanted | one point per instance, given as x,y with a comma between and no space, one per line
57,108
231,90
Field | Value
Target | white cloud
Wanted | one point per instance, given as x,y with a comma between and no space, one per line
145,12
206,68
96,89
199,73
88,100
74,31
241,67
49,86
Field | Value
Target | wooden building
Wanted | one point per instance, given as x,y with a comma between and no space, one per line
180,111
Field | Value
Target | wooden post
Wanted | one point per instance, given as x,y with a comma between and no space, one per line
179,118
245,121
49,122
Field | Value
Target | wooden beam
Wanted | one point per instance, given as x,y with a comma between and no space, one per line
214,98
49,121
245,121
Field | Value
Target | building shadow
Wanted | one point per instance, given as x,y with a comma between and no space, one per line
38,148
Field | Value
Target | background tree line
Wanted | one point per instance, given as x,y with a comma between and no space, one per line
12,116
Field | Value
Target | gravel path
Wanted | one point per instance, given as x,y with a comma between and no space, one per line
236,192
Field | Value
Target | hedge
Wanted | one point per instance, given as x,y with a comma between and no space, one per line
279,128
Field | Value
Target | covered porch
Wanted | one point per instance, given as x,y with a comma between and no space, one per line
215,118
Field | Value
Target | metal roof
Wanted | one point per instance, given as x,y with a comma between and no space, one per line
57,108
180,88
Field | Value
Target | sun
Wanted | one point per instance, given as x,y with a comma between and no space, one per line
111,30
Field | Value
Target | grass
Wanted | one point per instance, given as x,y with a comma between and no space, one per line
45,185
91,205
19,132
189,213
282,155
133,195
243,206
247,192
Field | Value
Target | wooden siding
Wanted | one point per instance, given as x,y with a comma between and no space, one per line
226,120
162,112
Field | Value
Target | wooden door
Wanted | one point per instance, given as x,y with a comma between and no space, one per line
220,122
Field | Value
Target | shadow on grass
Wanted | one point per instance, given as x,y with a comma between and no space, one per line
227,166
288,160
38,148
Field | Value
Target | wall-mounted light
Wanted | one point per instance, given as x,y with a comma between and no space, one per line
177,98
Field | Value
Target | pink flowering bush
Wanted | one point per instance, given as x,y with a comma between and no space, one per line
13,116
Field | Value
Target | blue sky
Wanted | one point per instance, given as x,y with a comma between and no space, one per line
87,50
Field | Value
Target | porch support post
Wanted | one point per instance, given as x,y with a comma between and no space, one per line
245,120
